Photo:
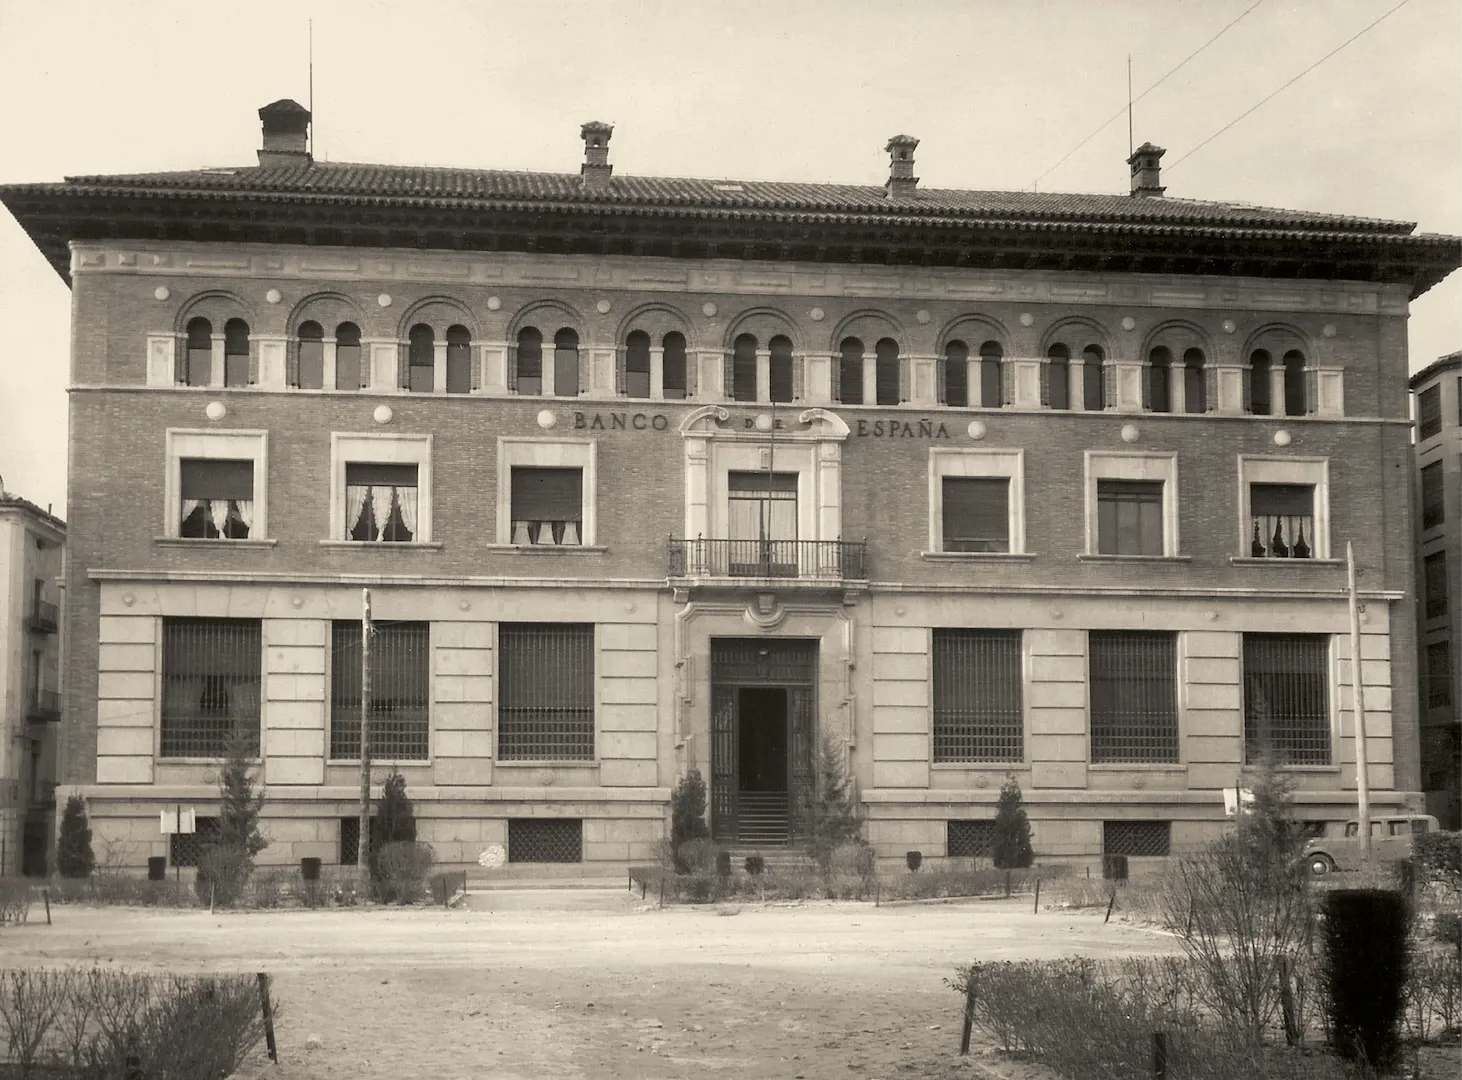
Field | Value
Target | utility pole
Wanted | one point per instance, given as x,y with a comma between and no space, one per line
1362,770
362,847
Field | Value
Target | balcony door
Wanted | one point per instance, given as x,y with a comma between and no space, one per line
762,524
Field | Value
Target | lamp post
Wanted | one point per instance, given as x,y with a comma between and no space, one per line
1357,687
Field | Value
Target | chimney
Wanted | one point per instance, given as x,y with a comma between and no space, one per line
596,169
1147,170
901,178
286,131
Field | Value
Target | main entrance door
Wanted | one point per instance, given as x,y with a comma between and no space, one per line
763,696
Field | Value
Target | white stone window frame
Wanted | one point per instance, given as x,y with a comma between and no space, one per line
1313,472
238,445
382,449
1133,465
991,463
799,458
531,453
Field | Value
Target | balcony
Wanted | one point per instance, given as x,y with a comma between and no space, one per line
44,707
42,617
770,560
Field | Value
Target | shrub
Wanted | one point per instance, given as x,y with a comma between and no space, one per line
1447,928
687,815
14,899
827,814
74,858
402,867
1438,856
1365,968
223,874
1012,844
394,822
755,864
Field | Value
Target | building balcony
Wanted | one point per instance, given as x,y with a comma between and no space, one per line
42,617
762,561
44,707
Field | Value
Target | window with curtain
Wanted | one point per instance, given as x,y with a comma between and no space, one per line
547,506
1058,377
528,367
210,685
1195,382
673,370
420,359
198,368
850,372
954,375
1283,525
309,365
1129,517
350,371
762,524
1159,376
1093,379
1295,403
399,720
886,372
743,368
637,365
236,353
546,692
1133,683
1259,391
977,695
380,502
566,363
992,378
976,513
781,368
459,360
1287,698
217,498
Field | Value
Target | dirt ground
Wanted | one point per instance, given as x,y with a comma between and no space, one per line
596,984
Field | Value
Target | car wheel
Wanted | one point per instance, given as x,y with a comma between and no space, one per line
1320,865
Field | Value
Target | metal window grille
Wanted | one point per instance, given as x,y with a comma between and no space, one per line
1433,508
1129,517
1438,674
977,695
1286,697
976,513
350,838
1283,521
400,691
1137,838
545,840
969,839
210,685
546,692
184,849
1134,696
1434,573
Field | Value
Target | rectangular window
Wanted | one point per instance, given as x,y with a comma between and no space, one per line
1434,574
184,849
976,513
977,695
547,506
400,691
546,692
761,524
380,502
1129,517
217,498
1283,521
969,839
1137,838
1133,675
1433,504
1287,698
1438,674
1429,412
547,840
350,838
210,685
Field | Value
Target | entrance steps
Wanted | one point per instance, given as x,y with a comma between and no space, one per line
777,858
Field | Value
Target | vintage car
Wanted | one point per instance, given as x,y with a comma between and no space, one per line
1390,840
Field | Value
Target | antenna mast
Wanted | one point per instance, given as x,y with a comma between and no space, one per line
1129,104
312,86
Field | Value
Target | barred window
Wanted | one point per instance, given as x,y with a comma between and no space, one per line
185,849
976,513
217,498
546,692
1134,696
380,502
1429,412
552,840
1283,525
1438,674
210,685
1433,501
1129,517
977,695
1137,838
350,838
400,691
547,506
969,839
1434,573
1287,698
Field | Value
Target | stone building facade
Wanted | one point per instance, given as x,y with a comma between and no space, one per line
645,474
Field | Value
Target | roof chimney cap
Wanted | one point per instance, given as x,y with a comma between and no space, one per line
286,134
596,169
1146,163
902,182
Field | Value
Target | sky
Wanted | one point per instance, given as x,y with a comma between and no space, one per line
998,92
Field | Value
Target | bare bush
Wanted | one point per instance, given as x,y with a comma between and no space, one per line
401,870
14,899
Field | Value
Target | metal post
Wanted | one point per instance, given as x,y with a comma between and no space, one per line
1159,1055
1362,769
362,847
267,1009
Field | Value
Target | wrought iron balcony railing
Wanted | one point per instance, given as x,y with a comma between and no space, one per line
44,706
42,617
837,560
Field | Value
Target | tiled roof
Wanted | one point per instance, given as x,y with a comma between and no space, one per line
1436,367
15,502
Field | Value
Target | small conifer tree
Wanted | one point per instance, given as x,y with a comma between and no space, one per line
1011,848
395,817
74,858
228,859
687,815
828,815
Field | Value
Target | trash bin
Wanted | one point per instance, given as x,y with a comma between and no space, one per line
310,869
157,867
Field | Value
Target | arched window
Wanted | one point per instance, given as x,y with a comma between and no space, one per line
350,374
236,353
459,360
637,364
1294,384
566,363
850,372
1195,383
199,368
954,384
420,359
1058,376
781,368
673,372
1159,375
743,368
1093,379
992,387
529,367
309,365
886,371
1260,401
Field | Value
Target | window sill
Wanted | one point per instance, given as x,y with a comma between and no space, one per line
546,549
1141,766
549,764
202,542
1136,558
1319,770
1246,560
395,763
161,761
972,766
363,545
977,556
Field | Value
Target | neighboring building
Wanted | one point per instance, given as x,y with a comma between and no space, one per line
1437,392
32,543
646,473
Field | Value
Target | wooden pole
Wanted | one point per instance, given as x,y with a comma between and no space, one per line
1159,1055
46,892
1357,684
1037,909
1007,884
1286,1004
268,1011
1111,904
969,1017
363,841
